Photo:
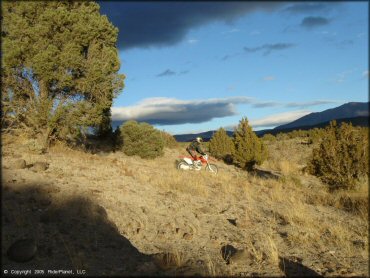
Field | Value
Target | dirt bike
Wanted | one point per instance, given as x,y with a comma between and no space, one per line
188,163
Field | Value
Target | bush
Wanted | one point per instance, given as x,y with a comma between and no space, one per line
342,156
269,137
281,136
141,139
249,149
169,140
221,145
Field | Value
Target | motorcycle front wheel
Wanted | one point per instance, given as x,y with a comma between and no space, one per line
212,168
183,166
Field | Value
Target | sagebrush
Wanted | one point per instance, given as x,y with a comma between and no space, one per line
141,139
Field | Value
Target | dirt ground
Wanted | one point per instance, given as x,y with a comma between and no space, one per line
110,214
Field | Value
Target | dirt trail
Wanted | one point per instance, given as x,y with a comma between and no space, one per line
113,214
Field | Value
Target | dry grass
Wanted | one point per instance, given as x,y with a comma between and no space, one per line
172,260
314,219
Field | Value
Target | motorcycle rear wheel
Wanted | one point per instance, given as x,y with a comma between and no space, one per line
183,166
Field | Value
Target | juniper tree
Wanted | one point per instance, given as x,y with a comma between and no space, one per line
59,67
221,145
342,157
249,149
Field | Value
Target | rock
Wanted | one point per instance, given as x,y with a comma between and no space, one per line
39,166
19,164
227,251
22,250
187,236
232,221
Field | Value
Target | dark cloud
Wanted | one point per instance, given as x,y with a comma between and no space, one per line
268,48
266,104
167,111
145,24
229,56
306,8
314,21
169,72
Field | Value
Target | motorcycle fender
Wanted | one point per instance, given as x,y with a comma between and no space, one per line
188,160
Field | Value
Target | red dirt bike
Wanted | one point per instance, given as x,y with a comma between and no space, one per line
188,163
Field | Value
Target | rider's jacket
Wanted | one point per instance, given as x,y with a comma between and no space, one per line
196,146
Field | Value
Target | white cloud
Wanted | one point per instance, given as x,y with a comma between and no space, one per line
171,111
366,74
275,120
279,119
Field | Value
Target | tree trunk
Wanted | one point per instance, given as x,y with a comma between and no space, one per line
45,130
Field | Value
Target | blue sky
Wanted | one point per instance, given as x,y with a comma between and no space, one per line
272,63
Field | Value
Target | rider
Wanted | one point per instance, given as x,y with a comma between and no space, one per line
194,147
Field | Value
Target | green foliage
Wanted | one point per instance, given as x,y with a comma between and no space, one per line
141,139
281,136
169,140
221,145
342,158
268,137
59,68
249,149
316,134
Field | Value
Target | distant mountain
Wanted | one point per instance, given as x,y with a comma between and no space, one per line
357,121
345,111
205,135
356,113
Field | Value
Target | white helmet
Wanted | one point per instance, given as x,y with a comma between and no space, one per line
199,139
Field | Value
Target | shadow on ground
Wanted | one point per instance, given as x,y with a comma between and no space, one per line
265,174
70,234
293,268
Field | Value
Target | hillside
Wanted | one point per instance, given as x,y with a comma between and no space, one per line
111,214
348,110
